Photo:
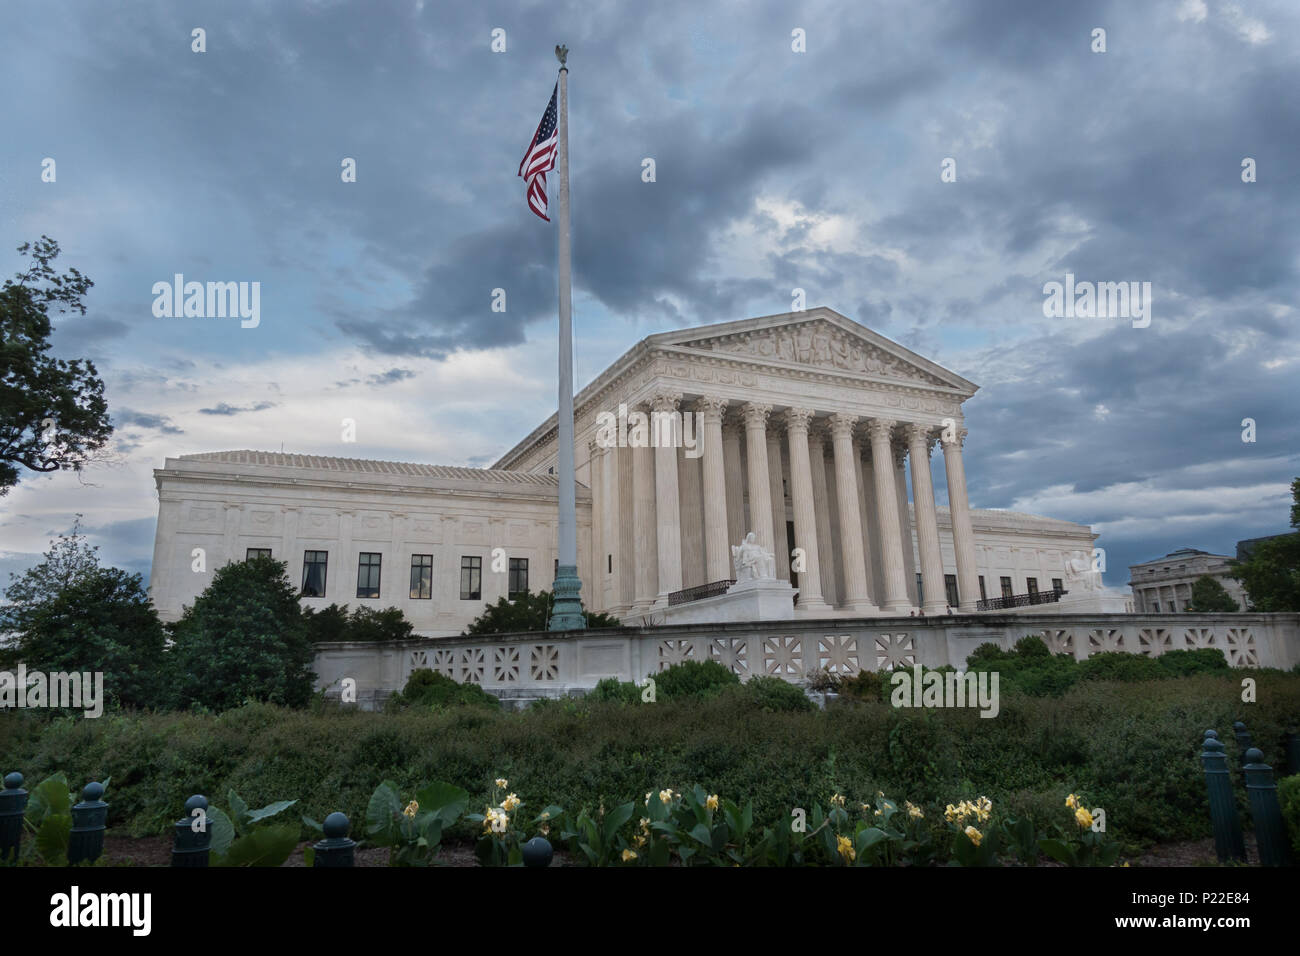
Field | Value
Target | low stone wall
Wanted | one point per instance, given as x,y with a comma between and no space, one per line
534,665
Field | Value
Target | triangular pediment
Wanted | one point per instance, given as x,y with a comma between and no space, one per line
821,339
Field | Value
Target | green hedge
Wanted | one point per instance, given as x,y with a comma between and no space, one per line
1130,748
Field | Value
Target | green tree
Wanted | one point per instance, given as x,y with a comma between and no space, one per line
70,614
1271,574
52,411
1209,595
528,612
244,638
334,623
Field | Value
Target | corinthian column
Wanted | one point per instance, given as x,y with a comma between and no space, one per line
717,554
805,515
927,522
963,537
891,539
760,491
665,435
646,581
735,480
846,489
779,535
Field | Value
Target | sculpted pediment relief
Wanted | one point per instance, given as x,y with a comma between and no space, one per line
817,344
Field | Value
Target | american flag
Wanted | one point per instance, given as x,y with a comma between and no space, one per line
540,158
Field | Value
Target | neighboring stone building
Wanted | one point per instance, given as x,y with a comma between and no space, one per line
799,427
1165,584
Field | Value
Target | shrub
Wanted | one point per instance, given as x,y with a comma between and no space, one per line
692,679
864,685
986,653
333,623
243,639
428,688
775,695
822,680
1118,665
1288,795
1203,660
612,690
1031,646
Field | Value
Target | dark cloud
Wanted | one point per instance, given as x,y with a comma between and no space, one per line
124,416
224,408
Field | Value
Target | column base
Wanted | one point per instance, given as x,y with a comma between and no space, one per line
566,613
931,609
898,608
863,607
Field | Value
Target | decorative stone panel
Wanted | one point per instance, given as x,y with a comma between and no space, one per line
838,654
1058,640
674,651
1105,639
732,653
444,661
1198,637
505,664
1240,647
473,660
1154,641
893,650
544,662
783,656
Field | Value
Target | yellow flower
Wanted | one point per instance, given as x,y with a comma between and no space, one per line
845,847
639,840
496,820
666,796
648,795
1072,802
1083,817
914,811
629,855
837,800
975,835
411,809
501,782
712,802
510,803
645,824
546,814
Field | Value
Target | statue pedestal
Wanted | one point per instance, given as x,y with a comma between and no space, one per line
754,600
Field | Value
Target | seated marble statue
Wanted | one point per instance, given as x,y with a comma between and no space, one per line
753,561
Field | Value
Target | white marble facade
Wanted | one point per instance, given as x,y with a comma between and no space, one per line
806,428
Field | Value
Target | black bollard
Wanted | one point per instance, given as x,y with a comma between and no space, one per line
13,804
1228,841
193,839
86,841
336,849
1270,835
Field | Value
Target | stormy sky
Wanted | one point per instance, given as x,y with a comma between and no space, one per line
775,169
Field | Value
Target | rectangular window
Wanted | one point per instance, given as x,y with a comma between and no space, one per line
1058,584
920,589
313,573
368,574
421,577
1032,584
471,579
518,582
983,596
1155,606
950,589
1006,588
257,553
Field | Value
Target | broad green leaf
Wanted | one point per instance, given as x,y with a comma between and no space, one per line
52,838
49,796
238,812
222,830
270,810
265,846
700,833
381,814
616,818
313,824
1057,850
444,800
870,837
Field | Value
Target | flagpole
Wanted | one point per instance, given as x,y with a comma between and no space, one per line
566,615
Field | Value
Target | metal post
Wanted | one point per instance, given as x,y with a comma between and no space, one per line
336,849
13,804
566,614
1228,841
86,840
1270,835
193,839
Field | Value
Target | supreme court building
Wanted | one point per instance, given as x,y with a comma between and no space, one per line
806,428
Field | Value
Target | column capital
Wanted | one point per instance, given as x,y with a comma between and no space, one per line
798,419
959,439
842,425
732,426
662,402
817,432
880,429
712,407
899,448
755,414
917,433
